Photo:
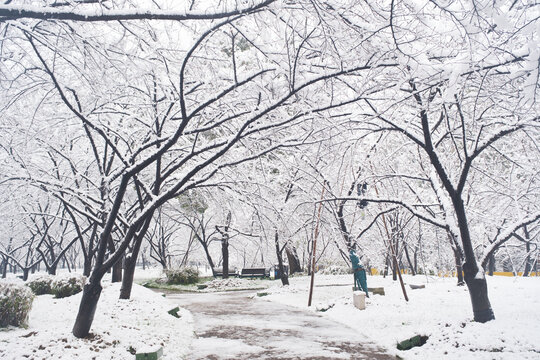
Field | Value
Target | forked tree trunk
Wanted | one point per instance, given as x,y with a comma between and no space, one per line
130,261
52,268
87,308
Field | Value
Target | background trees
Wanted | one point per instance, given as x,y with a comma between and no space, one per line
418,119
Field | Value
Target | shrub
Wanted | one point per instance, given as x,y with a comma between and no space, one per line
15,304
40,284
337,270
66,285
184,276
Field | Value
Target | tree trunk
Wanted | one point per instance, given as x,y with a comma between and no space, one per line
528,250
411,266
225,254
386,266
52,269
479,295
130,263
294,261
284,276
208,257
395,268
87,267
87,309
474,277
459,266
25,273
117,271
4,268
491,264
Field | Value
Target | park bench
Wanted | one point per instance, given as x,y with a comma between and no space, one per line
253,272
218,272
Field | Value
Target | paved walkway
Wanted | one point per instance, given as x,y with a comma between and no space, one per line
233,326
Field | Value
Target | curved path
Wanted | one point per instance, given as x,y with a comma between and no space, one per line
232,325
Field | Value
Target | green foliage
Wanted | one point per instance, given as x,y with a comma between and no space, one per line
15,304
184,276
64,286
40,284
192,202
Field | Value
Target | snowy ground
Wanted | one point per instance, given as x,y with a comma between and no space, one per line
120,326
441,310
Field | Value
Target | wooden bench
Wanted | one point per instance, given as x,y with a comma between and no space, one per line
253,272
218,272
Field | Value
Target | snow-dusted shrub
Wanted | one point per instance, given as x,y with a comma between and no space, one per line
15,304
40,284
183,276
336,270
66,285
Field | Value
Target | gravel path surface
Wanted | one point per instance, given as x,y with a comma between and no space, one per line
233,325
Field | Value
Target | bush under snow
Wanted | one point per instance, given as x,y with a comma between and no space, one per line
40,284
15,304
67,285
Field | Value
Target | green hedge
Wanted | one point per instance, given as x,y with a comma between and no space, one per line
184,276
40,284
67,285
15,304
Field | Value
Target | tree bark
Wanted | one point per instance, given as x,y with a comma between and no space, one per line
87,309
25,273
130,263
117,271
87,267
284,276
474,277
52,268
294,261
459,267
225,254
208,257
4,268
411,266
491,264
528,250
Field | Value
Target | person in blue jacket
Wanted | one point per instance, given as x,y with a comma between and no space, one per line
360,280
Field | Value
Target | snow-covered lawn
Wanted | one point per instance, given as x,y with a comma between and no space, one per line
441,311
120,326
